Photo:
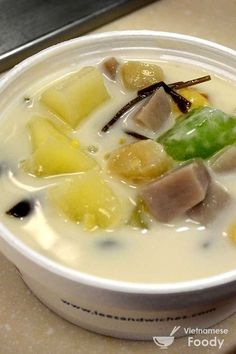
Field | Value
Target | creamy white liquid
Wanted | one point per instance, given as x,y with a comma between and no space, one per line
166,253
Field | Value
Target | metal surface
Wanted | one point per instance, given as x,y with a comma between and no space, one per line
27,26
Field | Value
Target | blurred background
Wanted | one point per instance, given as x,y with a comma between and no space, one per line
27,26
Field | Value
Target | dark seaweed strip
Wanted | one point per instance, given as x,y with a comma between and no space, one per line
21,209
136,135
175,85
120,113
147,91
182,103
199,80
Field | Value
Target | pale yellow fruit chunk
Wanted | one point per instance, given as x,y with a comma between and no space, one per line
53,152
87,198
75,97
139,162
56,157
137,75
41,129
232,232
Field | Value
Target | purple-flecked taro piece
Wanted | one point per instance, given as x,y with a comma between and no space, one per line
156,112
176,192
225,161
111,66
206,211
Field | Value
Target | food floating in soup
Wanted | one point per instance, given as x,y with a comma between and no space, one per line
125,169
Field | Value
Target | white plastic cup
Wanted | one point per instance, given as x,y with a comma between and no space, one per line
120,309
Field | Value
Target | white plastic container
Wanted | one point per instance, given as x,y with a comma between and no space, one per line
125,310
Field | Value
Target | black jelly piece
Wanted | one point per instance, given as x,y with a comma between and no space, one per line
21,209
2,167
206,244
108,244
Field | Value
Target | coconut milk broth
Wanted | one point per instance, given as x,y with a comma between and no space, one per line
181,251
